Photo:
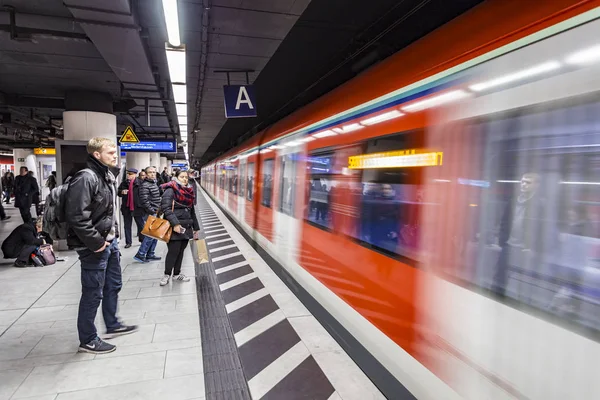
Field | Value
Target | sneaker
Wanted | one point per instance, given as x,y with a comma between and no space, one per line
128,245
153,258
97,346
164,280
181,278
5,218
140,259
120,331
20,264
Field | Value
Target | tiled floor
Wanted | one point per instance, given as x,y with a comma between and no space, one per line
38,342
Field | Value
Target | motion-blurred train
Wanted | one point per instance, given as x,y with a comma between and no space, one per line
444,206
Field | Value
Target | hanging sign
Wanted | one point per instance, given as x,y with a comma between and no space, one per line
129,136
156,146
44,151
240,101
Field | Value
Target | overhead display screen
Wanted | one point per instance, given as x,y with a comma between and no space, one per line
163,146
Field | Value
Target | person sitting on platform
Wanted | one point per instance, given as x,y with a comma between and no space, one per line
23,242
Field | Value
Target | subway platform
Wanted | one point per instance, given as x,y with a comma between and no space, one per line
234,332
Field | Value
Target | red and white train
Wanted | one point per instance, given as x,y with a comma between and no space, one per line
444,206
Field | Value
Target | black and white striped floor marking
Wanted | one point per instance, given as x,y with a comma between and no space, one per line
276,364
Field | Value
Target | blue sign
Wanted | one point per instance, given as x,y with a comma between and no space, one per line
163,146
240,101
123,154
178,165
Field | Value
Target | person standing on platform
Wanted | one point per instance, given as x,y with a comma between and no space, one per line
138,212
7,186
165,176
25,189
149,194
177,206
92,219
127,204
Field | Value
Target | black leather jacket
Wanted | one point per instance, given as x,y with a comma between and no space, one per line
178,214
89,207
149,196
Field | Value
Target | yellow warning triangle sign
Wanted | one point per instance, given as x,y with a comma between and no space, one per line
129,136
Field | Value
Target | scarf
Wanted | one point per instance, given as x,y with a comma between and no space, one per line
130,202
183,195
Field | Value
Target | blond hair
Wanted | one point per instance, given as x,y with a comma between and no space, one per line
96,144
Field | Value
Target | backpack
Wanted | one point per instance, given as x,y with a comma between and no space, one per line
55,221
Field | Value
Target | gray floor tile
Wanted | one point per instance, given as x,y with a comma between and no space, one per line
11,380
179,388
92,374
183,362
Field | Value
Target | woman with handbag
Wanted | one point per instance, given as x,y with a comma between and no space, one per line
178,208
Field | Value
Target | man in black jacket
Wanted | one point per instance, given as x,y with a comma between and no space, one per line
91,213
23,242
149,194
25,188
126,193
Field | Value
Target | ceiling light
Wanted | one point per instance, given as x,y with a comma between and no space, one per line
587,56
293,143
179,93
382,117
348,128
516,76
325,134
436,101
181,110
308,139
172,21
176,62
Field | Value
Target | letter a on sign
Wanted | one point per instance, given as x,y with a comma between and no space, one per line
240,101
129,136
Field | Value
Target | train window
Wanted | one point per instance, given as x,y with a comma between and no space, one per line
267,191
250,182
232,173
288,184
390,199
321,181
221,178
242,179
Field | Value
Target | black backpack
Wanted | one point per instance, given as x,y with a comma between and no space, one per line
55,221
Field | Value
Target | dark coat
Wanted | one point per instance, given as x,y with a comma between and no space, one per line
533,223
89,207
25,189
138,210
23,235
124,186
149,195
178,214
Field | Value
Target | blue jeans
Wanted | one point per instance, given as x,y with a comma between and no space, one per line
148,245
100,282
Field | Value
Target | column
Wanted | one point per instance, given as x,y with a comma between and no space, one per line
170,166
138,161
155,160
88,115
163,163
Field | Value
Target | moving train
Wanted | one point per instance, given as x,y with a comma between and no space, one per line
443,207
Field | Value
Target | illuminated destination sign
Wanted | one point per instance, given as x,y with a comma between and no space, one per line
395,159
163,146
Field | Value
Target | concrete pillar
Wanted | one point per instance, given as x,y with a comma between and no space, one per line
163,163
88,115
138,161
155,160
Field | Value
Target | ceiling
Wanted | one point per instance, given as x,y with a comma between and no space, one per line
296,51
331,42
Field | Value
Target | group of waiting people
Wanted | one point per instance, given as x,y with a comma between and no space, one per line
144,196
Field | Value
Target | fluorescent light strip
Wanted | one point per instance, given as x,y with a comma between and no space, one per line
181,110
584,57
179,93
504,181
516,76
580,183
382,117
436,101
348,128
172,21
307,139
292,144
176,62
325,134
274,147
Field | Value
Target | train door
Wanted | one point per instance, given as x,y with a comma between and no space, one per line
286,221
250,189
232,188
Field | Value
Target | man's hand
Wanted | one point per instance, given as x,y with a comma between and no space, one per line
106,244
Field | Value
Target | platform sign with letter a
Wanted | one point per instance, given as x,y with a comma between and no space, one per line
240,101
129,136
